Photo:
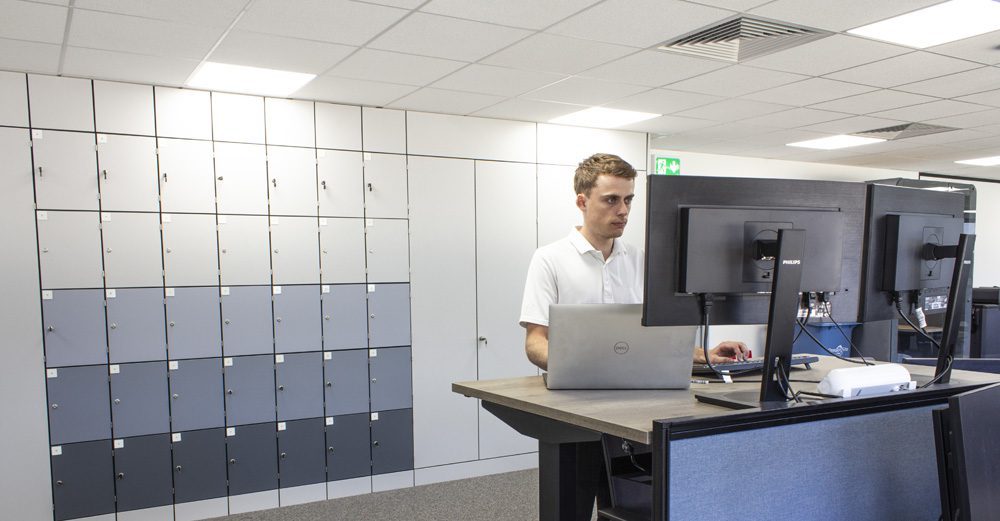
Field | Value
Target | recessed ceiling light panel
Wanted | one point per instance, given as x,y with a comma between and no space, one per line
248,80
602,117
938,24
982,161
835,142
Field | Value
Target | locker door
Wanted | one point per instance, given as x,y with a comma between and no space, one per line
82,480
392,441
389,315
241,178
74,327
58,102
346,382
139,399
385,186
78,404
190,250
390,378
127,173
297,323
196,391
65,170
291,175
142,472
199,465
69,250
246,320
342,250
290,122
341,183
183,113
187,176
244,250
348,447
388,252
338,126
193,323
253,465
132,248
345,316
249,390
299,385
238,118
300,452
136,331
124,108
294,245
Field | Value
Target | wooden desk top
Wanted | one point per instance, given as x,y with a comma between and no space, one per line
630,414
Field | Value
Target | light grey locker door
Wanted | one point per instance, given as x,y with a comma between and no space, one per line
253,461
385,186
132,249
388,250
300,453
74,327
299,385
392,441
346,382
246,320
194,323
187,176
139,399
83,480
388,315
69,250
297,323
136,329
143,477
241,178
249,389
65,170
78,404
190,250
199,465
196,391
342,250
295,250
244,254
345,316
341,183
127,173
348,447
390,376
291,174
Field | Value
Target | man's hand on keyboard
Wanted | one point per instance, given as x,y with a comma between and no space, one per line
727,351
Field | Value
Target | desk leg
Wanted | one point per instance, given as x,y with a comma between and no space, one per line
570,476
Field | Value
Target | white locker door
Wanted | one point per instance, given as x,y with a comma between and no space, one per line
124,108
69,249
388,250
237,118
132,249
65,170
187,176
127,173
63,103
244,250
505,242
443,297
190,250
241,178
294,250
385,186
291,175
183,113
342,250
341,183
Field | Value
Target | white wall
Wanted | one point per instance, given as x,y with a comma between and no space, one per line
986,271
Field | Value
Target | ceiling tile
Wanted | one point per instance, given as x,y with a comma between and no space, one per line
827,55
907,68
584,91
852,125
17,55
729,131
982,48
391,67
337,21
443,37
975,119
639,23
956,137
120,66
217,13
735,80
934,109
550,53
735,5
991,98
500,81
663,101
404,4
530,14
278,52
354,92
32,22
733,110
781,138
653,68
795,118
445,101
840,15
958,84
528,110
808,92
670,125
868,102
679,141
130,34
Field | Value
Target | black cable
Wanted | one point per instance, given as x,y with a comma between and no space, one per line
829,314
938,377
835,355
627,449
706,311
787,388
920,330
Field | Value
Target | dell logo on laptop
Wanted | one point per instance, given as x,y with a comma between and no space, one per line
621,348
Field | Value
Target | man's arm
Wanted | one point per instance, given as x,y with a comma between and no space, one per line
727,351
536,344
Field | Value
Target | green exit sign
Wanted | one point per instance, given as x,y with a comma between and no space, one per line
667,166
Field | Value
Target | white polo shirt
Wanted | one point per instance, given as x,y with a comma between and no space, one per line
572,271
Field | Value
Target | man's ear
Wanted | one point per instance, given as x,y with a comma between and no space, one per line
581,201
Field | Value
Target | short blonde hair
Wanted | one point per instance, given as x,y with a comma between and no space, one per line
597,165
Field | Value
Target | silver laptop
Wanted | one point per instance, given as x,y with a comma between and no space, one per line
605,346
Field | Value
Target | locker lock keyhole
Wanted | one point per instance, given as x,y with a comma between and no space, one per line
121,475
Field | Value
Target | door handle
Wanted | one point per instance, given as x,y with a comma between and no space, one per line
105,173
323,183
274,182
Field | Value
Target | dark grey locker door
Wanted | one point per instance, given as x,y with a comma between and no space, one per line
297,323
389,315
391,380
392,441
78,404
136,330
196,391
74,327
300,453
246,320
142,472
249,389
348,447
83,480
253,461
199,465
346,382
299,385
345,317
139,399
194,324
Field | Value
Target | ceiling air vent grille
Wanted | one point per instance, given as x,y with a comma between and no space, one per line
740,38
904,131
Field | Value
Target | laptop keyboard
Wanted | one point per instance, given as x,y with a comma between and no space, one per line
750,364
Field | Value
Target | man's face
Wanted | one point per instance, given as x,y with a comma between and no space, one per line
605,210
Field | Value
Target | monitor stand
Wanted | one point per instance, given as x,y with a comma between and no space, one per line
957,294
